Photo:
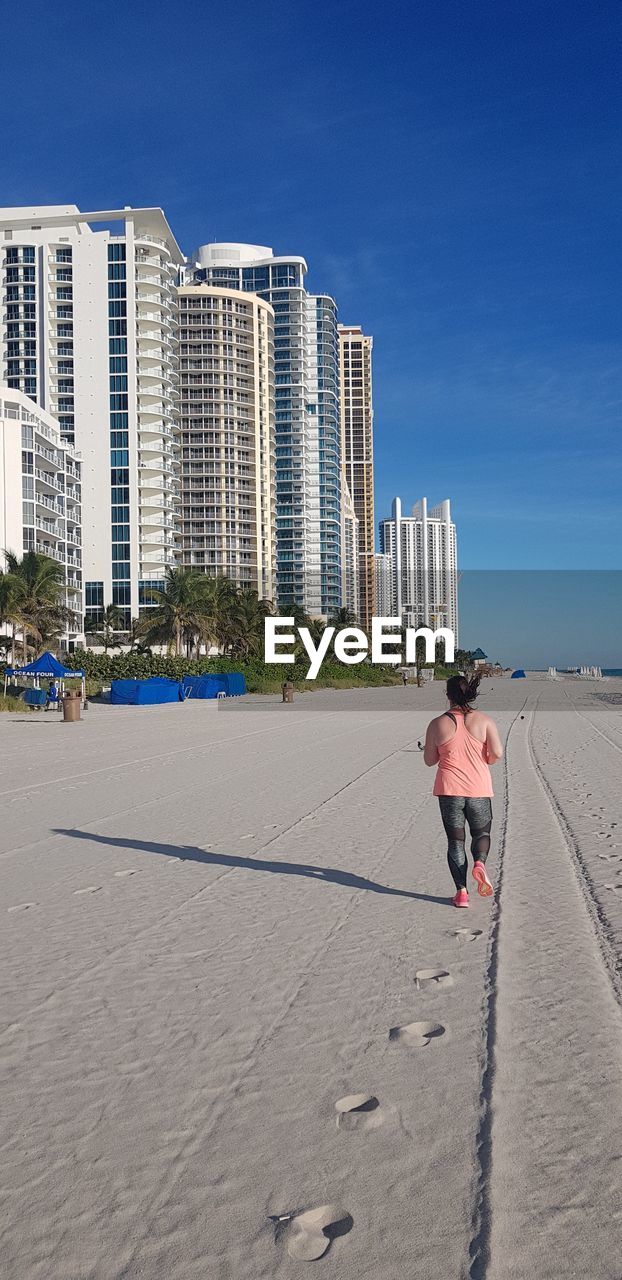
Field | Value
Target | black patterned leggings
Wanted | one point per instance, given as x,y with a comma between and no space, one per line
478,814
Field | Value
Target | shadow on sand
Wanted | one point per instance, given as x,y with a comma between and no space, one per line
190,853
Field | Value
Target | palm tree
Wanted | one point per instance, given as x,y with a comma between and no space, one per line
343,618
136,636
222,595
37,584
246,623
8,608
104,629
181,607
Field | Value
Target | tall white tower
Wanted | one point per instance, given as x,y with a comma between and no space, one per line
423,553
87,331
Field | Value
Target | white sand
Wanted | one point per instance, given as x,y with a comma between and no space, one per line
214,918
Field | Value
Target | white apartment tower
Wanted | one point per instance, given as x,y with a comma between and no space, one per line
307,432
226,391
383,572
40,496
87,332
357,451
423,553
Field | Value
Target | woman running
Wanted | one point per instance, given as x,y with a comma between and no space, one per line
464,743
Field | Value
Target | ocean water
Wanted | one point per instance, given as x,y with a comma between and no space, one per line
612,671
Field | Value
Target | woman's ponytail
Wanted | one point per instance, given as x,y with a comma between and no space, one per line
463,690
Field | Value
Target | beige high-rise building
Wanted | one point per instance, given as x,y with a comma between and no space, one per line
349,553
226,386
357,451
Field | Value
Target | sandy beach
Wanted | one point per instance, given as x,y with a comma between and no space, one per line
217,923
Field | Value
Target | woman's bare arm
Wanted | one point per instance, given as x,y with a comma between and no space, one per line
494,748
430,750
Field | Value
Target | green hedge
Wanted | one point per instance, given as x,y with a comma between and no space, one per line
260,677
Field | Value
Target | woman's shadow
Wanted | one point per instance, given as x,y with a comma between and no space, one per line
190,853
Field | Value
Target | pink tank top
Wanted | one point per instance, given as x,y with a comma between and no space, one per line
462,766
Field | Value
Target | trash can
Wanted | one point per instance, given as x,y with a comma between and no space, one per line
288,691
71,704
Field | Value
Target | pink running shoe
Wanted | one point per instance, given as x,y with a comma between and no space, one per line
461,898
484,887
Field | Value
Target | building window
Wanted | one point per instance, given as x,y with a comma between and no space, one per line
94,595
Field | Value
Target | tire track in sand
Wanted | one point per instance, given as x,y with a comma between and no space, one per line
551,1200
479,1247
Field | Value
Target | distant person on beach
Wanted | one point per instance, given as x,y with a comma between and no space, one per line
404,678
464,743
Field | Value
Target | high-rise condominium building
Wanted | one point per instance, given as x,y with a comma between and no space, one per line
357,451
307,431
349,553
385,602
87,330
40,496
226,390
423,552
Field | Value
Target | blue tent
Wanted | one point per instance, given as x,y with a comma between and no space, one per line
236,684
155,690
231,683
518,675
207,686
47,667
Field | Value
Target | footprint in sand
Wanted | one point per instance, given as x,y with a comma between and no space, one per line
22,906
90,888
358,1111
130,872
429,978
310,1234
467,935
417,1035
615,888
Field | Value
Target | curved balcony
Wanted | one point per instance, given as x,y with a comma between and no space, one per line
151,299
149,563
155,375
155,317
151,519
142,238
160,493
153,274
149,472
149,430
150,360
153,541
154,409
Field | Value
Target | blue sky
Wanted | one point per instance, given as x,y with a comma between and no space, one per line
449,170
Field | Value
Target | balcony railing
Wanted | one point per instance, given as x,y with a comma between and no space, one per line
47,527
50,454
140,235
46,550
51,505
